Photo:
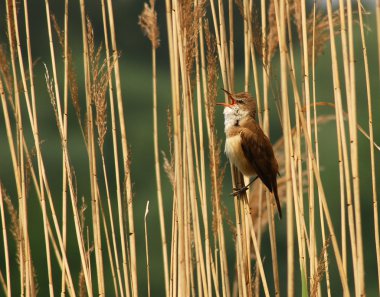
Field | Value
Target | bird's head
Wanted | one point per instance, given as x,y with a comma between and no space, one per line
240,105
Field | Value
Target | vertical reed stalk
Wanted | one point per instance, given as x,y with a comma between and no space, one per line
64,147
148,22
33,122
4,231
305,71
65,106
338,104
351,108
316,172
147,246
125,279
87,36
280,19
203,196
371,139
126,162
25,273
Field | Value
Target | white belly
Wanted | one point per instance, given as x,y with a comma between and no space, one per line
236,155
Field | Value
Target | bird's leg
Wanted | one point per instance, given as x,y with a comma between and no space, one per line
238,190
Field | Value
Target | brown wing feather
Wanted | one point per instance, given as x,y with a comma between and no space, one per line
258,150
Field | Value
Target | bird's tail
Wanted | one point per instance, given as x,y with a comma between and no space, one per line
274,187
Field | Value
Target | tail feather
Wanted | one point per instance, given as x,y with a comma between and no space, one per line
274,187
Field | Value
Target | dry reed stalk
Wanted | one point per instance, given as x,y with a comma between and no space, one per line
318,24
5,70
58,250
148,23
10,141
69,71
318,41
211,61
197,14
311,194
29,268
296,157
312,260
182,275
259,43
191,215
338,102
13,78
264,116
25,271
256,47
345,154
240,259
281,29
115,276
316,172
351,108
296,162
320,269
257,252
41,168
173,262
117,176
214,157
89,59
231,43
177,231
54,94
247,43
202,182
146,246
224,44
371,137
9,132
99,80
242,240
126,161
33,122
14,230
8,288
218,43
65,107
73,196
3,284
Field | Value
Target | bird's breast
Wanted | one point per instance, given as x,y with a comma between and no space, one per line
235,154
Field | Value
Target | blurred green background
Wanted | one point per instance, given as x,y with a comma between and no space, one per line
135,64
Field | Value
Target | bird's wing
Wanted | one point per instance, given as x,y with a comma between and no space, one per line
258,150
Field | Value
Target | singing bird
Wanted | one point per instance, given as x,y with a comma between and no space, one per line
247,147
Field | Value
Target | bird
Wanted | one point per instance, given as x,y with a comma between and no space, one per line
247,147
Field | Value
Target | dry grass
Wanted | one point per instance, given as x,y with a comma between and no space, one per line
196,252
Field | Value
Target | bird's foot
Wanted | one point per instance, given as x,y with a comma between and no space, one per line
239,191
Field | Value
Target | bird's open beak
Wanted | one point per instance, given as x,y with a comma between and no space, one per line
229,98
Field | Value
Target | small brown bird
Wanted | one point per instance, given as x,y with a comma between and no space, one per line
247,147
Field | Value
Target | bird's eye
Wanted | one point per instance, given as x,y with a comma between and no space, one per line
239,101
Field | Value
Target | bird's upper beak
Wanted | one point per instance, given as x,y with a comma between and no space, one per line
233,102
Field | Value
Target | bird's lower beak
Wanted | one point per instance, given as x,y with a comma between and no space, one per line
229,98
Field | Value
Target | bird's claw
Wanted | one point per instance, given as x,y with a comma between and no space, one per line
238,191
